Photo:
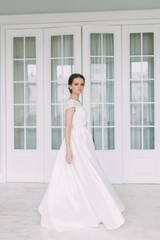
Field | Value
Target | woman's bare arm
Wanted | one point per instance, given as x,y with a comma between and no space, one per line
68,123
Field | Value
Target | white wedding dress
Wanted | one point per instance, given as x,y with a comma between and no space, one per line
79,194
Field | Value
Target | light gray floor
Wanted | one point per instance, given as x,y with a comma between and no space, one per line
19,219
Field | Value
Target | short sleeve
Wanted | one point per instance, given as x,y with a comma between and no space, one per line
69,104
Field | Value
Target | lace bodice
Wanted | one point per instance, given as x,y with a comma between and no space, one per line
80,115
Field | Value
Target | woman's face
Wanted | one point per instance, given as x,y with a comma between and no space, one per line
77,85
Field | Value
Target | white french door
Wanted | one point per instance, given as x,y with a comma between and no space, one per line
37,86
24,85
141,103
62,54
103,94
121,97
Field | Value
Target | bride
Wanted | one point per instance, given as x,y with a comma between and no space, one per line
79,193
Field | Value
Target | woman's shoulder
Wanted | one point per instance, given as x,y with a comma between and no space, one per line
70,103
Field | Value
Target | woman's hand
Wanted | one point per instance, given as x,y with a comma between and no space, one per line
69,157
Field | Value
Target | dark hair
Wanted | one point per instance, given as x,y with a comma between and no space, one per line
72,77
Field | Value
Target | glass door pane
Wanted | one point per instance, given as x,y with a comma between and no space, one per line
102,90
24,91
142,124
62,66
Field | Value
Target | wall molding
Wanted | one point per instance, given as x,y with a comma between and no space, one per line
113,17
3,152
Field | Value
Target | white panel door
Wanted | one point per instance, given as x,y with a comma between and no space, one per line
103,95
24,72
62,57
141,103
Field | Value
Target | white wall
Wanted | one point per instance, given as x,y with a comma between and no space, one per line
133,17
56,6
